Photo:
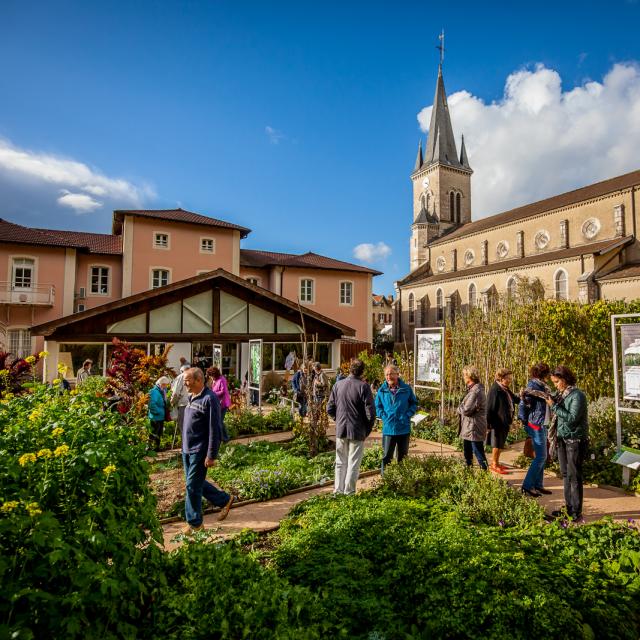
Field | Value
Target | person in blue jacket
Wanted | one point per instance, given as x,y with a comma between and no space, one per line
157,410
395,406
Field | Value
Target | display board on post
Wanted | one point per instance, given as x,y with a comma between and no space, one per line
428,362
255,372
625,339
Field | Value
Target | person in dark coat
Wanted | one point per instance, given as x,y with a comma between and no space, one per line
501,402
473,418
351,406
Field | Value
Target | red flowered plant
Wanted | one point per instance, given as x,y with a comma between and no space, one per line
131,374
14,372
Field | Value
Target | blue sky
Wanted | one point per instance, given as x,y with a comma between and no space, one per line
298,119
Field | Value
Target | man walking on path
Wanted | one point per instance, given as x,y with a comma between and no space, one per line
200,444
351,406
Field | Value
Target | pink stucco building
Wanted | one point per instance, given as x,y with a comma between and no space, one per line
48,274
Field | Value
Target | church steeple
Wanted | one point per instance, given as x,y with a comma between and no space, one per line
441,145
464,161
419,159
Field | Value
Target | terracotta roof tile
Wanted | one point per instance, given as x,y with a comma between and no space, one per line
105,243
257,259
597,248
179,215
542,206
16,233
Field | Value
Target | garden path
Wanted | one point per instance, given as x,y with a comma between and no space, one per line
266,516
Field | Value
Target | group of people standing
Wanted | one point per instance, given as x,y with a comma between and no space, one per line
555,419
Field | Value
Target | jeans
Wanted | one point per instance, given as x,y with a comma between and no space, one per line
389,446
470,447
535,475
157,429
348,458
224,436
195,474
571,455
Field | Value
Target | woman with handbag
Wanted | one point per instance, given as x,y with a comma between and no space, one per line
157,410
473,418
535,416
501,403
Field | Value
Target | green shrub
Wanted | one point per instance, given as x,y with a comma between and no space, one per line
75,504
250,423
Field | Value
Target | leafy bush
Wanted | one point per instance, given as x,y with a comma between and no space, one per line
249,423
75,504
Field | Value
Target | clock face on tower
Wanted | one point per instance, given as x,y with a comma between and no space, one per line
425,183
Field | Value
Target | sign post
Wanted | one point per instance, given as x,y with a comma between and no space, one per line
428,362
255,371
626,361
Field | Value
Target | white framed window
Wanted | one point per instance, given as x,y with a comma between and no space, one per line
207,245
99,281
253,280
473,296
439,306
19,341
307,290
512,288
561,285
23,274
346,293
160,278
160,240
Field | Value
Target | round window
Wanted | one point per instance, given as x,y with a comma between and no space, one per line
502,250
441,263
591,228
542,239
469,257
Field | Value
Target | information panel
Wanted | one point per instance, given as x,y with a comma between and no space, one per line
630,340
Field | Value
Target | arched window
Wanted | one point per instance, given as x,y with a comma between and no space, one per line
452,211
473,296
412,312
439,306
560,282
512,286
458,208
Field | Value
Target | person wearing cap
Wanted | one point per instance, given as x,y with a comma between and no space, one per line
573,436
179,399
157,411
84,373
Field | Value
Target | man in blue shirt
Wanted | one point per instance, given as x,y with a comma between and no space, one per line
201,433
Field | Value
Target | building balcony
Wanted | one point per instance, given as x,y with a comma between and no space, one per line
39,294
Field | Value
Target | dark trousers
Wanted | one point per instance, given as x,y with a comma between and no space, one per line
197,487
471,447
571,455
157,429
392,443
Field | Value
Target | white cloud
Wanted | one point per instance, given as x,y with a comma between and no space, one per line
538,140
274,135
79,202
370,253
32,176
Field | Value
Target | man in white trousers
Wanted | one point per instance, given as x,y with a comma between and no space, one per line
351,406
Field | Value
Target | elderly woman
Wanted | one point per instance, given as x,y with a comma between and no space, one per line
157,410
501,403
573,436
473,418
395,405
535,416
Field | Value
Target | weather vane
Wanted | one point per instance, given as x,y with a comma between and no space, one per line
441,46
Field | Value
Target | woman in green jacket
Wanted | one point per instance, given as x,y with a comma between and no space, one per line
573,436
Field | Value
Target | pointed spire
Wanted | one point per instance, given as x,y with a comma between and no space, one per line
419,159
441,145
464,161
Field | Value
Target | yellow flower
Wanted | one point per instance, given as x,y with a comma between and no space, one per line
74,392
33,509
9,506
109,469
26,458
58,431
62,368
44,453
30,359
36,414
62,450
43,354
56,381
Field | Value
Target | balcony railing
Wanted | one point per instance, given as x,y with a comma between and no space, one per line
39,294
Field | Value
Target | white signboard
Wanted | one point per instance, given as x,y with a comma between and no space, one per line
630,338
429,357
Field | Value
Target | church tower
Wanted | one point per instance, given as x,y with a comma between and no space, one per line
441,181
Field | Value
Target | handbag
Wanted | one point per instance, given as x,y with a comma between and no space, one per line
528,448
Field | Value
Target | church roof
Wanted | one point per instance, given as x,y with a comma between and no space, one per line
425,218
441,145
625,271
543,206
421,274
